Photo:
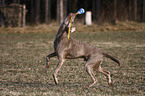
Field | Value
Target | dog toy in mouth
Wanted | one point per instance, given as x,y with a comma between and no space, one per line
80,11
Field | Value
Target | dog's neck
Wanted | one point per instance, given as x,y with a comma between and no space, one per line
62,33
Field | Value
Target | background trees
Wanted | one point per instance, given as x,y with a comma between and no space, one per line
45,11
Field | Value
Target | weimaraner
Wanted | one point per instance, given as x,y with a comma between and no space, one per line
65,48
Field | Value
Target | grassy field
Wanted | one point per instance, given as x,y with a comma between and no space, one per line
22,62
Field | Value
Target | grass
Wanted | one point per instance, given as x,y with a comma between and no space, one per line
22,62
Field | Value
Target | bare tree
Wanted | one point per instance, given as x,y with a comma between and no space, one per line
58,11
135,9
61,11
65,8
32,9
130,10
96,9
37,11
3,2
114,12
144,10
47,11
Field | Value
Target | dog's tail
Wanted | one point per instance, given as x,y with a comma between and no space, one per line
112,58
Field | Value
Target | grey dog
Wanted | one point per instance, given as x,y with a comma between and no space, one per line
65,48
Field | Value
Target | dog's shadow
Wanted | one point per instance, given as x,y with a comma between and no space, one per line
24,84
8,84
49,87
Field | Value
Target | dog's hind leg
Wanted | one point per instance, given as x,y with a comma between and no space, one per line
91,66
107,73
60,63
48,58
89,70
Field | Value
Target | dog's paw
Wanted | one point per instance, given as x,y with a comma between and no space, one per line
111,85
47,66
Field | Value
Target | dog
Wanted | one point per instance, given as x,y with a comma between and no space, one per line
65,48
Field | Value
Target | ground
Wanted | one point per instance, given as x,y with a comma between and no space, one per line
23,52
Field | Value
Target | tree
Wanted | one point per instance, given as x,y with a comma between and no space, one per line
96,9
135,10
37,11
144,10
61,11
114,12
65,8
47,11
58,11
130,10
3,2
32,12
61,4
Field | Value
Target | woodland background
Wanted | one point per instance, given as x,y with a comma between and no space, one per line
47,11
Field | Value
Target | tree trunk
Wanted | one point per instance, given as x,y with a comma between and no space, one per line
47,11
24,16
3,2
114,12
37,11
96,10
135,10
32,12
61,11
144,10
139,13
130,10
65,8
58,11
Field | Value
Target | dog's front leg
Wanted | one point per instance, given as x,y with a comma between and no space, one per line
60,63
48,58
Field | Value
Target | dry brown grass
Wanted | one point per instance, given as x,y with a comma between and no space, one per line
45,28
22,62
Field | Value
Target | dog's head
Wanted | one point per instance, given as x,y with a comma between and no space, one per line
69,17
66,23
